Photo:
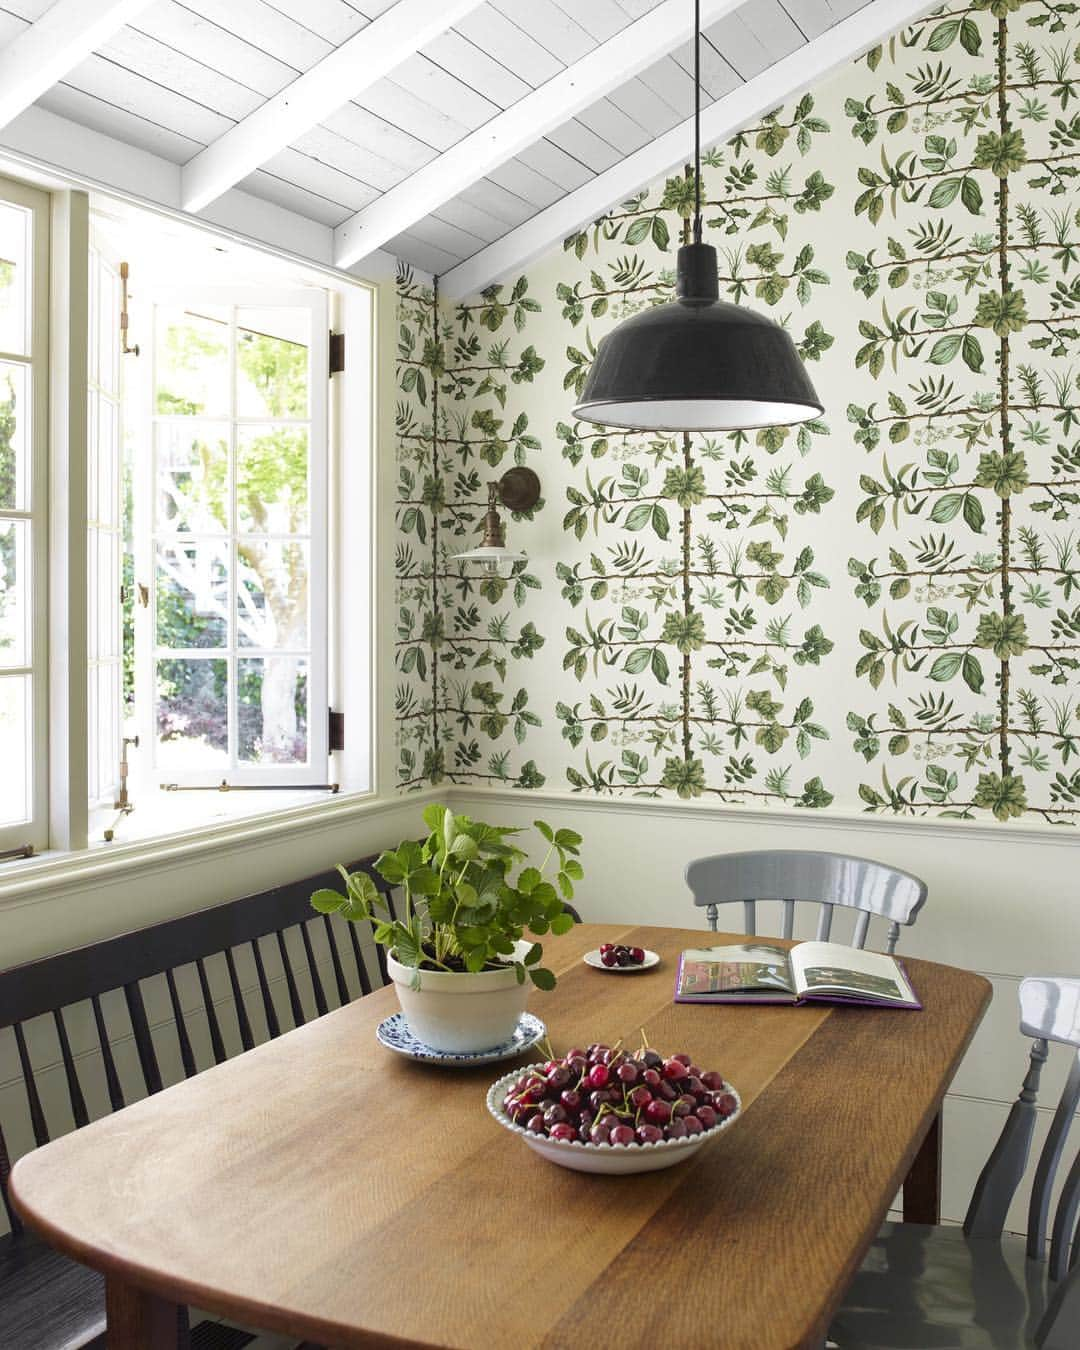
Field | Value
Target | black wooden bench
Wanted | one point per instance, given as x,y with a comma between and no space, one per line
216,981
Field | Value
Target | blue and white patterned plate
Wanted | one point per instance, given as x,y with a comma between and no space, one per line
394,1033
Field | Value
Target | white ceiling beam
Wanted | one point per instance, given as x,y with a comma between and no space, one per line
562,97
57,152
347,71
803,69
43,54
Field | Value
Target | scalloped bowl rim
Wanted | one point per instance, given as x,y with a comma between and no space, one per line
694,1141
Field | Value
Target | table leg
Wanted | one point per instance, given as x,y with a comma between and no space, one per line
137,1320
922,1185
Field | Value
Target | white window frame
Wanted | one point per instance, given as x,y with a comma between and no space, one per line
34,832
316,770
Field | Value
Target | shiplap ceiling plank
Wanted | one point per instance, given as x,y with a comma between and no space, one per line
335,21
399,106
64,35
636,8
175,26
773,27
307,173
361,61
262,26
738,45
371,134
718,75
471,218
586,146
441,234
601,19
143,98
474,67
553,163
499,200
812,17
551,26
720,120
269,187
153,60
493,32
637,100
424,255
328,148
547,111
669,81
533,188
615,126
99,116
431,84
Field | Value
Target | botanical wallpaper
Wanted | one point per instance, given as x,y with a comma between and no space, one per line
879,610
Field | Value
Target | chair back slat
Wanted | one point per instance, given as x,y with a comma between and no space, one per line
247,1040
290,980
112,1078
33,1101
824,923
217,1044
75,1095
313,970
358,956
14,1222
272,1027
1004,1169
46,987
144,1041
187,1057
335,961
805,876
788,927
1049,1161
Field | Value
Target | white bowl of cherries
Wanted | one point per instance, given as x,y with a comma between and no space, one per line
606,1110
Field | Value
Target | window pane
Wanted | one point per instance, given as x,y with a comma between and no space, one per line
192,588
14,593
272,362
14,739
14,279
14,422
272,595
272,480
192,714
272,709
192,375
192,478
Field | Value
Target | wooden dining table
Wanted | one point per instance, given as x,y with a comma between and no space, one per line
322,1186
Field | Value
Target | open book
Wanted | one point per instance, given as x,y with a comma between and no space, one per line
757,972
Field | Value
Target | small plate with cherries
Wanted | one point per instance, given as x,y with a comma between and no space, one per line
616,957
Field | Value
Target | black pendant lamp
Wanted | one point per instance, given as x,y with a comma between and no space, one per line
698,363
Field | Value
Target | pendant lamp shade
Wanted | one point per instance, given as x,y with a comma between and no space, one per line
697,364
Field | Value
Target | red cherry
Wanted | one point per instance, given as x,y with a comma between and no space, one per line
637,955
657,1112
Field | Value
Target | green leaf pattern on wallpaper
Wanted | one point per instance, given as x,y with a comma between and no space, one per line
877,610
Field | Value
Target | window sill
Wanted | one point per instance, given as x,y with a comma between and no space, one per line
126,859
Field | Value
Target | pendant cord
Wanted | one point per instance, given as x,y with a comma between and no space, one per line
697,121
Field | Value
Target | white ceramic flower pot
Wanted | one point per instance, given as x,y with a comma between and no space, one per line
461,1012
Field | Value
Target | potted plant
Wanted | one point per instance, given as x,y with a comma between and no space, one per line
457,951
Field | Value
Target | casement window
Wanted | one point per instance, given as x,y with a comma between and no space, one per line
230,469
24,349
169,585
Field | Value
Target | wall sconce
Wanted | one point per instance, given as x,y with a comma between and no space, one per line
518,490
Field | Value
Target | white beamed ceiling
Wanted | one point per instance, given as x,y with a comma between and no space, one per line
182,73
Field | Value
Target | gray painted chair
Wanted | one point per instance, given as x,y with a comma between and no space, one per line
934,1288
799,876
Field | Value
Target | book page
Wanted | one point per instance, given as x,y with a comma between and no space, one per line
749,968
832,967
